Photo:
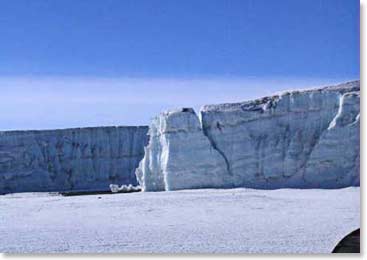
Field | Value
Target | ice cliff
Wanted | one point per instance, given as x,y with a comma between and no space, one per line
179,155
70,159
297,139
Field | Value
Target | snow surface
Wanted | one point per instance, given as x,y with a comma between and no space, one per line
189,221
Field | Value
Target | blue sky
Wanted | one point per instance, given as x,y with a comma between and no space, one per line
67,63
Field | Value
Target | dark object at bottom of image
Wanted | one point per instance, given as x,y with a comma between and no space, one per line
349,244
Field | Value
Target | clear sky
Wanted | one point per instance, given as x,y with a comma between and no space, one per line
68,63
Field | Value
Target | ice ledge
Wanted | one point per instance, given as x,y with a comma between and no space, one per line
264,103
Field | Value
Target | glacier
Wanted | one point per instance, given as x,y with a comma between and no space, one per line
179,152
79,159
296,139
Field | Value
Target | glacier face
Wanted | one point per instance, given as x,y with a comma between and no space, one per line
70,159
179,152
298,139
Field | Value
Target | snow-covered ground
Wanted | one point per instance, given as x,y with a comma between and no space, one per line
190,221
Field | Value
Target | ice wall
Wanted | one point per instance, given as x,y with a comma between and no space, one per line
179,156
70,159
297,139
